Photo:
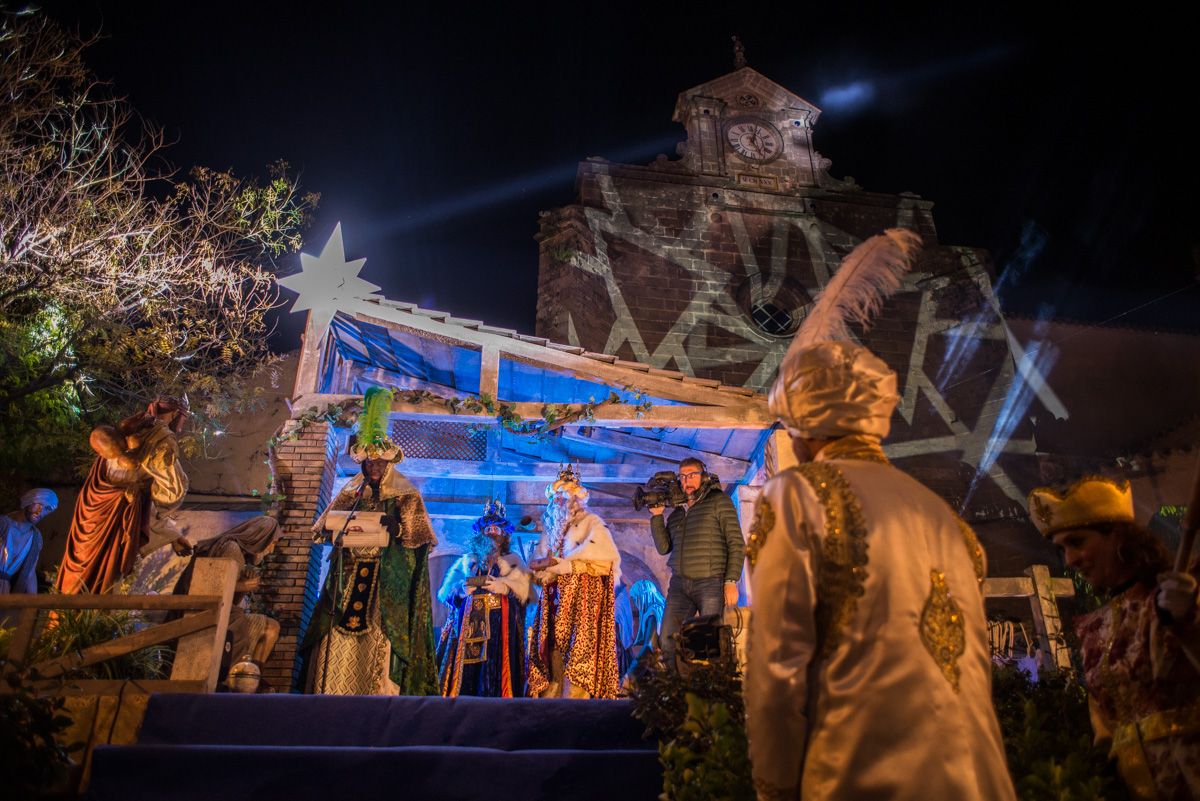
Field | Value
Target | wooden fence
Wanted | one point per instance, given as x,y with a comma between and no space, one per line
200,634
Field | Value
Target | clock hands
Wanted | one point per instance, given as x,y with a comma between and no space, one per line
752,141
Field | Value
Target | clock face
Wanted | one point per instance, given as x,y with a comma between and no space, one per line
754,140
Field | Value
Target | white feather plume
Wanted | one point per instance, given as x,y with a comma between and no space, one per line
872,272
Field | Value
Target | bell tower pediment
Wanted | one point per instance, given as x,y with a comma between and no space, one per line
747,90
747,129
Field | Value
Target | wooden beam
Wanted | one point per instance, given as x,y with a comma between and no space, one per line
308,370
53,668
605,501
18,646
198,655
608,416
1046,618
1043,593
489,372
1018,587
550,358
56,687
523,471
143,602
729,469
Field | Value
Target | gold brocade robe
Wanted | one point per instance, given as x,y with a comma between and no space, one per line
576,616
1144,693
869,672
382,642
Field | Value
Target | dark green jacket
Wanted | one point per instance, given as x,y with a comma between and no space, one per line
704,541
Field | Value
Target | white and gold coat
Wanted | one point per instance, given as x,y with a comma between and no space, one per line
869,672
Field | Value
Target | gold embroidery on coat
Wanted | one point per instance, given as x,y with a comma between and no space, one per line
764,521
978,560
942,629
843,567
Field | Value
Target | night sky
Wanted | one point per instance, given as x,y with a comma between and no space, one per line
436,131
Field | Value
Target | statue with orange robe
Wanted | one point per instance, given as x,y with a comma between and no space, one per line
125,503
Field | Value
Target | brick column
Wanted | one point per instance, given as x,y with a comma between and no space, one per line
306,468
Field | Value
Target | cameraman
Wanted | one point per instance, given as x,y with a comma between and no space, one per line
705,542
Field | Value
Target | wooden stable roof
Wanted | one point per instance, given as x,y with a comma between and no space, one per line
386,343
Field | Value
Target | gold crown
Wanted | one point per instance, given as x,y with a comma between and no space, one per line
1089,501
567,483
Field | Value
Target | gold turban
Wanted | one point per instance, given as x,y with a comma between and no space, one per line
1089,501
834,389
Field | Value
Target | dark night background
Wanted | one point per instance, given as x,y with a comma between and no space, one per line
436,132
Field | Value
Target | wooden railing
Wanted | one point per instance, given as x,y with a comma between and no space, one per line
200,634
1043,593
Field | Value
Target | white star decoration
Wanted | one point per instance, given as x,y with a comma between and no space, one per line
325,283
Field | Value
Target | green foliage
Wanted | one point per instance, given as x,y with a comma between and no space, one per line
709,758
1086,598
31,758
77,629
41,436
1048,739
699,718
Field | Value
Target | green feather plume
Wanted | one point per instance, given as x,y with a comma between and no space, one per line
373,422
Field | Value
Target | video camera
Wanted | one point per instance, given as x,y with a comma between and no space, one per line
663,489
704,641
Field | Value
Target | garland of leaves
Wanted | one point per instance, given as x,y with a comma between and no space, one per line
345,413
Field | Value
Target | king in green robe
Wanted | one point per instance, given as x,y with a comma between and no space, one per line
378,639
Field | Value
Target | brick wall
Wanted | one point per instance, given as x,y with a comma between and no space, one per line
290,579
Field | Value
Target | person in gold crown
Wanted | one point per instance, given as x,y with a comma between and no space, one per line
574,648
1141,650
868,667
375,637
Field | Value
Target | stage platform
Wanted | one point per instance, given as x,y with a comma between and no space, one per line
301,747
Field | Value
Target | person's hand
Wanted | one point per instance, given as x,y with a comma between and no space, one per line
496,587
731,594
467,589
392,525
183,546
1177,595
543,563
655,511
